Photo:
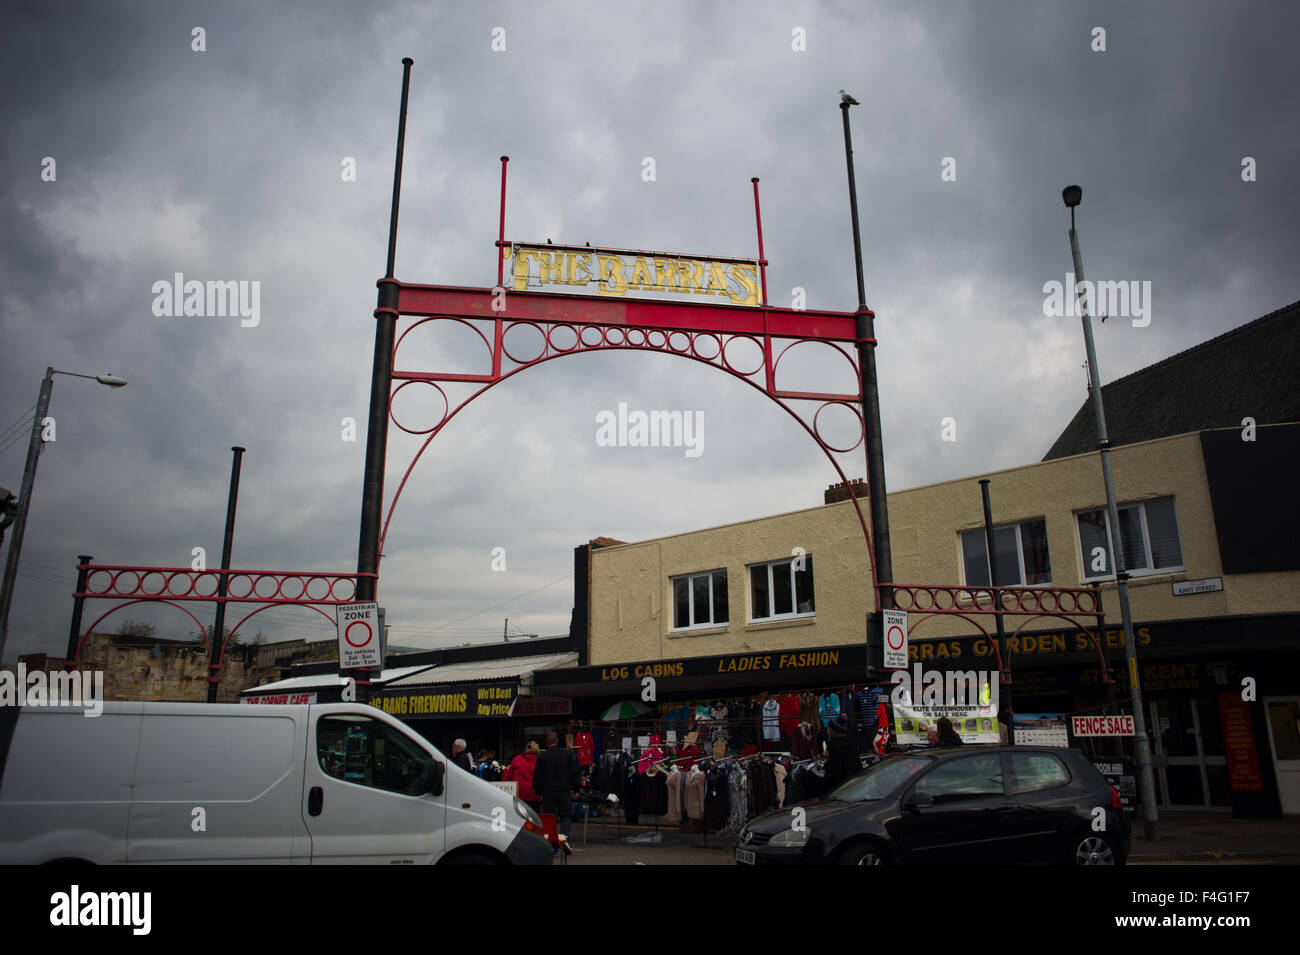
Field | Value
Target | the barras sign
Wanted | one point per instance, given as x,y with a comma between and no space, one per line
618,272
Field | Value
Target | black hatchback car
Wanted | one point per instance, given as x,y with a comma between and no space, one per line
968,805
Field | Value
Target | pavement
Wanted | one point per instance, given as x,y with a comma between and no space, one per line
1217,837
1184,837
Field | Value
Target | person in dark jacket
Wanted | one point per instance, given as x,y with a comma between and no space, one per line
460,755
947,735
841,754
555,779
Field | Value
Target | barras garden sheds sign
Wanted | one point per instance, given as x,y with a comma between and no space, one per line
618,272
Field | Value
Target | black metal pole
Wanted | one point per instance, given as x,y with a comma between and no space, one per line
219,627
372,496
865,328
34,445
1004,678
78,604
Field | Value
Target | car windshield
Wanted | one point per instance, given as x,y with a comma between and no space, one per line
880,780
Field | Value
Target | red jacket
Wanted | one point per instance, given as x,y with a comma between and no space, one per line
520,771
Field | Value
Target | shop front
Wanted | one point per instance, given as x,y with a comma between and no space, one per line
1209,687
488,703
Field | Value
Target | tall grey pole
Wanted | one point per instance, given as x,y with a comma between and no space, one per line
372,494
1004,678
34,445
1142,744
865,328
219,627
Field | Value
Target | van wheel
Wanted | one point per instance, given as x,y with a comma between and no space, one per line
863,853
470,858
1092,848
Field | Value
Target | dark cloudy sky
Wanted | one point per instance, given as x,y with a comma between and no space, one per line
226,164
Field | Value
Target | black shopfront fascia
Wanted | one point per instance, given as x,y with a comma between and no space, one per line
1161,646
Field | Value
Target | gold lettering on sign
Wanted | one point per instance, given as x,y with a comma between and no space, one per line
614,273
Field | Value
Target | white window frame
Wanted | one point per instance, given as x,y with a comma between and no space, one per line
1085,566
771,588
690,598
1020,552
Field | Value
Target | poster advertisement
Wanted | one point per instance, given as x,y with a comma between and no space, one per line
974,724
1042,729
1239,744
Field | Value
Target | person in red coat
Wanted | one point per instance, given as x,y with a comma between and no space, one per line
520,771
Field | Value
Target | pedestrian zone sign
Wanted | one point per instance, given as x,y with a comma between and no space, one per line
358,626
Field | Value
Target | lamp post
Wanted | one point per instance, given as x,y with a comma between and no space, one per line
1072,196
25,494
865,327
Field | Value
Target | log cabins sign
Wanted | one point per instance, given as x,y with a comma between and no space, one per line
618,272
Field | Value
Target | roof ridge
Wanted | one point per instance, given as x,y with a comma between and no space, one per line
1205,344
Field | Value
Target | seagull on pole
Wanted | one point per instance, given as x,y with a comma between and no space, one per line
846,98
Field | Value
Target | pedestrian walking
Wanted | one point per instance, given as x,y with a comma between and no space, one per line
555,779
521,771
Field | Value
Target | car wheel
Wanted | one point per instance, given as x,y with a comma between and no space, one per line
1092,848
864,853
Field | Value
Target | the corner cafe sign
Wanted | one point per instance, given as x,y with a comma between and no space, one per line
617,273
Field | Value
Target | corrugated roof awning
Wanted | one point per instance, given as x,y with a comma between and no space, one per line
475,671
322,681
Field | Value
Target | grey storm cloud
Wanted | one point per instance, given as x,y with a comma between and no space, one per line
226,165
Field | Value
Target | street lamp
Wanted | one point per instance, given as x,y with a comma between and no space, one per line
25,494
1072,196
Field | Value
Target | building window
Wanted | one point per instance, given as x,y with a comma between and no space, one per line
783,588
1021,556
1148,532
700,600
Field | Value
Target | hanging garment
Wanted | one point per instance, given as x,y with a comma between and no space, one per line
801,742
789,709
829,707
631,793
695,787
585,745
868,700
738,799
771,720
716,799
649,756
718,730
778,773
687,755
675,780
654,794
807,707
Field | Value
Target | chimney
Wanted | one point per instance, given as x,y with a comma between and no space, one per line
840,491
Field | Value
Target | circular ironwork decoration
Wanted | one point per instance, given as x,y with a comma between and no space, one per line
862,429
392,406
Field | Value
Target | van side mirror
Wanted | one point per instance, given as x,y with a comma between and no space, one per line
437,772
918,801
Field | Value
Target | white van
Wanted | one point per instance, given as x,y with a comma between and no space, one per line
225,783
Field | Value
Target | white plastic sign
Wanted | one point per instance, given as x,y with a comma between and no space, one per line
358,626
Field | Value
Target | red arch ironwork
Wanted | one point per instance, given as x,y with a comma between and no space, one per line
688,350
